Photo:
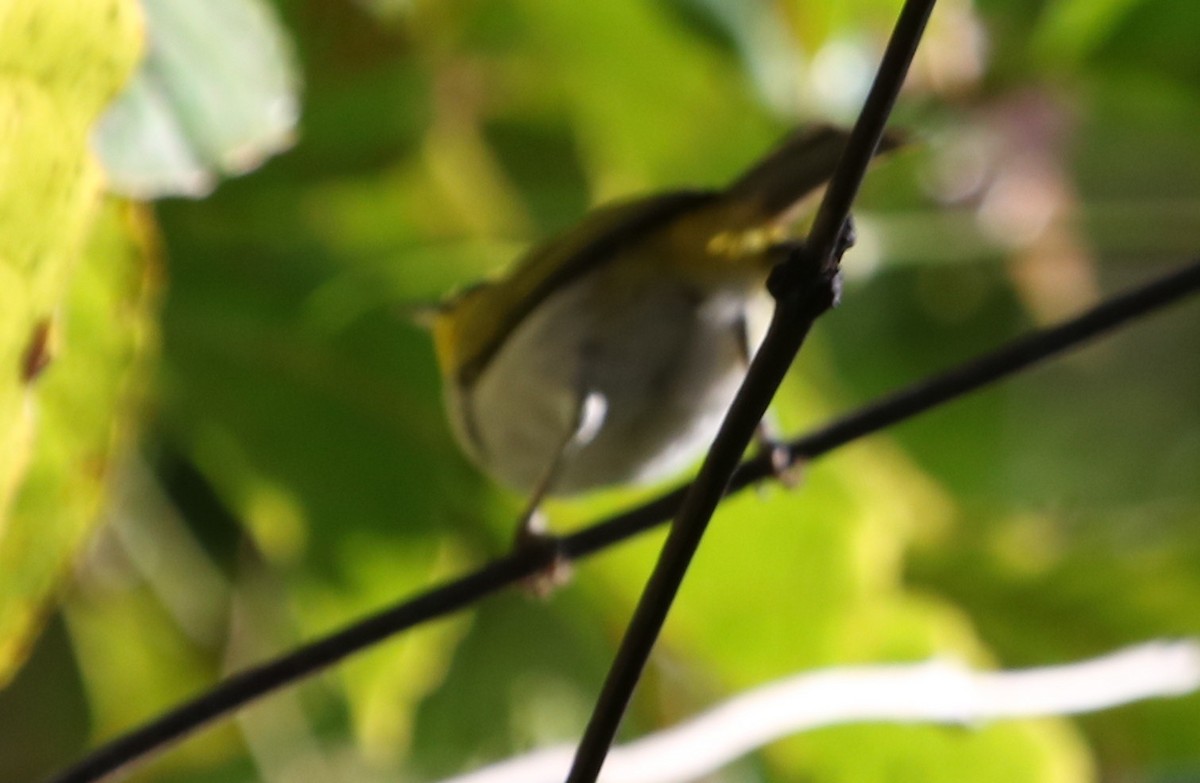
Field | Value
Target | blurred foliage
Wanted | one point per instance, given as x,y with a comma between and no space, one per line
297,471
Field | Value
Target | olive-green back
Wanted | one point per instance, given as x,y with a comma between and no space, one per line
471,326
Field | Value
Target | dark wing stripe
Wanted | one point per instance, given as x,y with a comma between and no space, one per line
644,217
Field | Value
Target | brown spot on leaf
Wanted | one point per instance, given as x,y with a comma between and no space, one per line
38,351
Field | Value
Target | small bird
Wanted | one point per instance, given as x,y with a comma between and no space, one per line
611,352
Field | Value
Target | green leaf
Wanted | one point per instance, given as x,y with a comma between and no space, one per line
216,95
71,293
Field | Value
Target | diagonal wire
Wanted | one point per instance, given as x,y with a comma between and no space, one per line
803,289
1017,355
244,687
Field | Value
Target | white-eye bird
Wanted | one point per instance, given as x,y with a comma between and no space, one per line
611,352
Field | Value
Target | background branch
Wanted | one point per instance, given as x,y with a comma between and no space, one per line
938,691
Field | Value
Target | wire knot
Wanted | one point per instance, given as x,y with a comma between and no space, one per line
804,279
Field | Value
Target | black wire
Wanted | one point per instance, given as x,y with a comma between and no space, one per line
803,290
250,684
1011,358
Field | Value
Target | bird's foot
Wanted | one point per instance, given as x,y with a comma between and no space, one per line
534,534
786,468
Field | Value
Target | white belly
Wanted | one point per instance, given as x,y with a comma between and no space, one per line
665,361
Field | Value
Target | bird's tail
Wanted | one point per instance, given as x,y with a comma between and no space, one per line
799,166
